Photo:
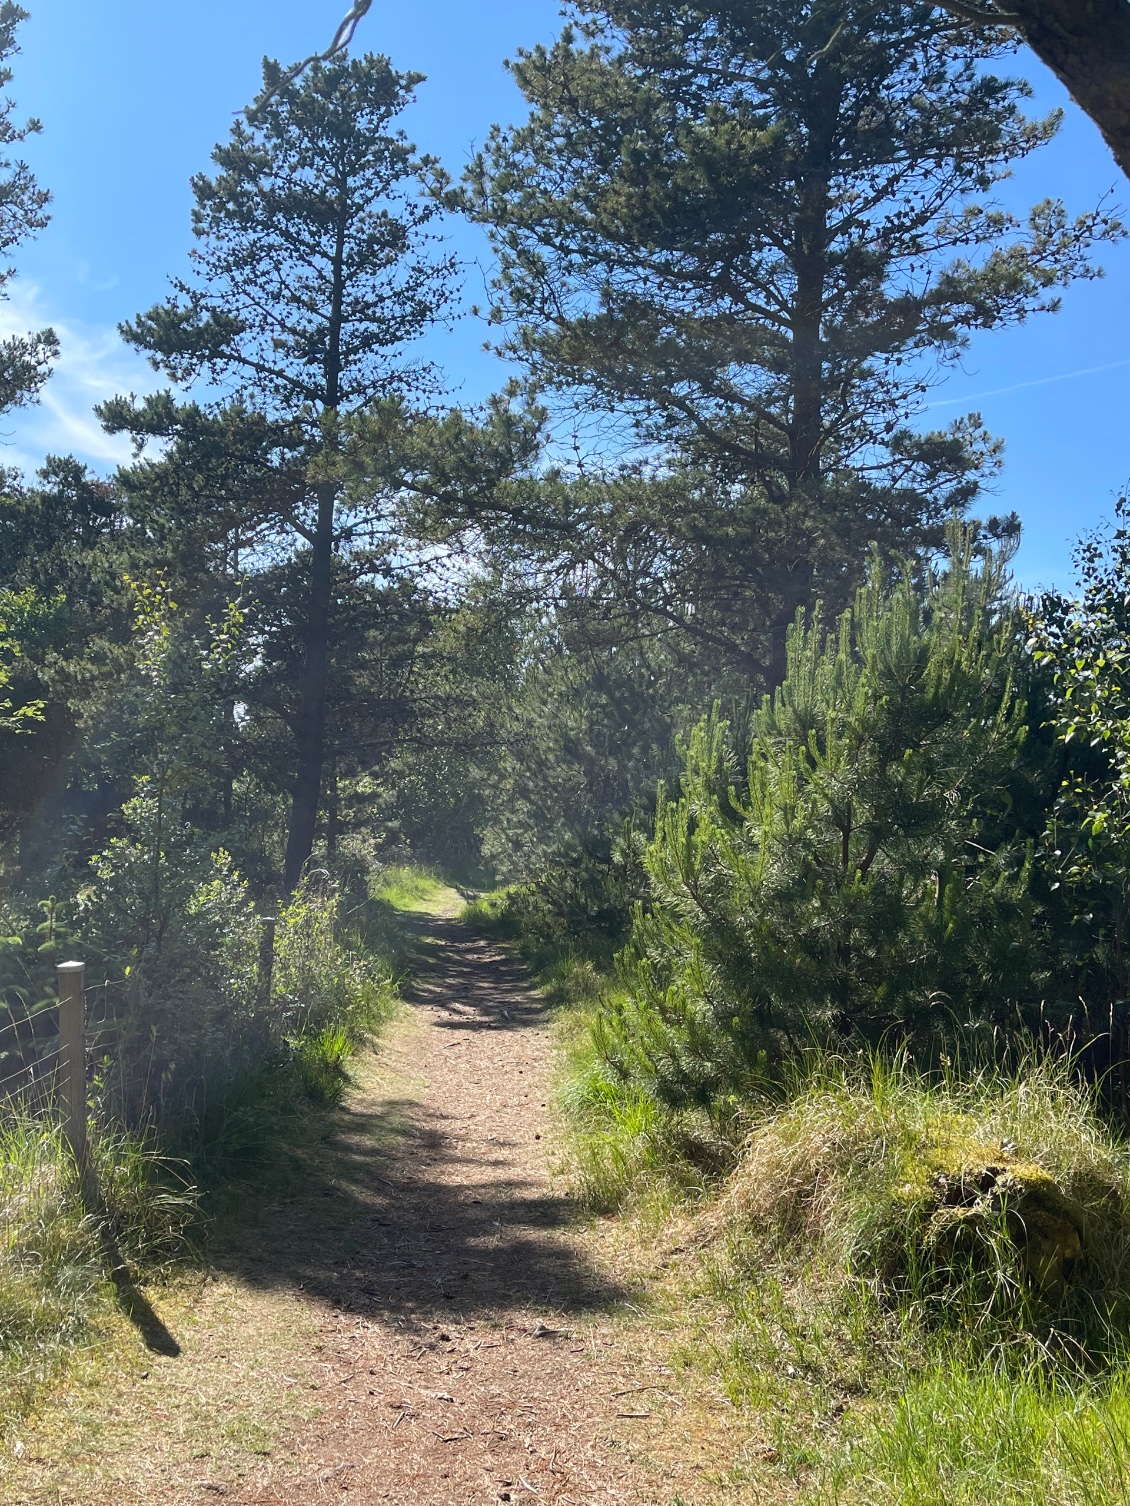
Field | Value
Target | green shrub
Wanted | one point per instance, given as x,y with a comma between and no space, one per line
329,993
173,925
855,870
194,1043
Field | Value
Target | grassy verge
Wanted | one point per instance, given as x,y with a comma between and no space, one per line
916,1290
910,1316
66,1273
57,1260
406,889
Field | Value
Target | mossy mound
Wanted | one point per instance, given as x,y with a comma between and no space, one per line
999,1198
981,1206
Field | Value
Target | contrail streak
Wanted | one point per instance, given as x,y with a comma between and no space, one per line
1064,376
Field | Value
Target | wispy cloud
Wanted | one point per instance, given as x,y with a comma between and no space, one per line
95,364
1063,376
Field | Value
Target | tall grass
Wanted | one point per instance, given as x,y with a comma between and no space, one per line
890,1368
967,1435
57,1258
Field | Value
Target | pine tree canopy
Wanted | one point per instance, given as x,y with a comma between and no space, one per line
758,231
25,360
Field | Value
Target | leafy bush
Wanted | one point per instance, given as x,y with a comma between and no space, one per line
196,1050
1082,645
174,926
857,867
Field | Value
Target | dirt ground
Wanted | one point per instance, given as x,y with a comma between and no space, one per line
429,1322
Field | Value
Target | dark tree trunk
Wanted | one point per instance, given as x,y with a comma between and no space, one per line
806,435
311,729
311,733
810,265
1086,44
333,817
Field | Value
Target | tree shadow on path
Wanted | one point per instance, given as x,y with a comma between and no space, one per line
436,1210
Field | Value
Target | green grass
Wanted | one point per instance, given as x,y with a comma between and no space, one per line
965,1435
407,888
890,1370
57,1257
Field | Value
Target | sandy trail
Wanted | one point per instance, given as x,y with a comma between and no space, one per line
469,1354
422,1318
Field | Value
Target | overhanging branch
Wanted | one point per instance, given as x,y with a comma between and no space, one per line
979,15
343,36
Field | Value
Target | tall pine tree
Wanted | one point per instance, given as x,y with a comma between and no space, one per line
314,272
758,230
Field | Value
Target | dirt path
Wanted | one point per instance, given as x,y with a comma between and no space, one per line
430,1324
471,1357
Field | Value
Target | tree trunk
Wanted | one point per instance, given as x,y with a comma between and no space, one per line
333,816
810,266
806,430
311,729
1086,44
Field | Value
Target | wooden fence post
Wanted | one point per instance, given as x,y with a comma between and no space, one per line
267,926
72,1055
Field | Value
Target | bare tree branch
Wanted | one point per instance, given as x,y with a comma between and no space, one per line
343,36
978,15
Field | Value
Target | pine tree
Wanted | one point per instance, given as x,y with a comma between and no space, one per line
758,231
25,360
855,867
313,273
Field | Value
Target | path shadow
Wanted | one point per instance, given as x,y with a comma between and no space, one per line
396,1216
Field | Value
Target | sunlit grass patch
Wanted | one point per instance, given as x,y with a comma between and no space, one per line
962,1435
408,888
57,1254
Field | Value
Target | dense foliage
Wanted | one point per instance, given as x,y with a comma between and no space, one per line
852,864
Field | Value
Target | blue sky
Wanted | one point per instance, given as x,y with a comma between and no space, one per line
133,94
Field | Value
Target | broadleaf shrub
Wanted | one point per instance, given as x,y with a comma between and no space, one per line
173,925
